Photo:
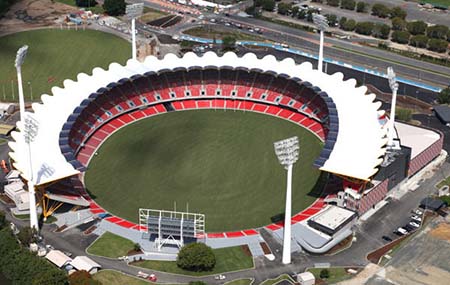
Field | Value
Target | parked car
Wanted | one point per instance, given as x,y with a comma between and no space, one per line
386,238
409,228
220,277
414,224
401,232
417,212
416,218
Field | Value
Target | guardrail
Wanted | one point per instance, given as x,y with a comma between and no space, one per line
312,56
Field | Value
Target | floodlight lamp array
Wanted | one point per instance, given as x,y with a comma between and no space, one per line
31,129
393,84
321,22
287,151
20,57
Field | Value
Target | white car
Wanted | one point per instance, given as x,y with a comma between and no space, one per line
416,218
414,224
220,277
418,212
402,231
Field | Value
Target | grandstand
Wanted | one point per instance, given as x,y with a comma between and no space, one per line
87,112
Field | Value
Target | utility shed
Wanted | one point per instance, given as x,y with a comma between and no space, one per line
443,113
306,278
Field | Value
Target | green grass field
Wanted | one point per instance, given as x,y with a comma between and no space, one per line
55,55
227,259
443,3
221,163
110,245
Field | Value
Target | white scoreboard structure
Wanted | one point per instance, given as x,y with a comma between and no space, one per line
171,227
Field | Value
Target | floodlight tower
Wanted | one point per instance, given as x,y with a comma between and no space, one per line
132,12
29,132
394,87
321,23
287,152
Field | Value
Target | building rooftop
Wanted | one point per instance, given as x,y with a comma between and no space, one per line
418,139
332,217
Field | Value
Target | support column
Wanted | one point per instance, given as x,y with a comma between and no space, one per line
320,61
133,38
286,259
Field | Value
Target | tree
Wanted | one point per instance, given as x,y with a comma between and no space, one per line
362,7
417,27
4,6
420,41
3,221
267,5
324,273
403,114
82,277
364,28
398,24
381,31
283,8
342,22
380,10
85,3
334,3
136,246
348,4
196,257
437,32
56,277
401,37
332,20
114,7
398,12
349,25
444,96
295,11
27,236
437,45
228,42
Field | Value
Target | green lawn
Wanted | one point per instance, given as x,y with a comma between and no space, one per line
278,279
111,277
444,182
55,55
442,3
110,245
227,259
220,163
337,274
2,141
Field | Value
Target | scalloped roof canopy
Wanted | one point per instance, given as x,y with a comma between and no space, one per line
357,152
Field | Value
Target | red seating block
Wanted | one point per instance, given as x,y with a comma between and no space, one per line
203,104
189,104
234,234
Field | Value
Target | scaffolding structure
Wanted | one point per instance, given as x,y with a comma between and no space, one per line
171,227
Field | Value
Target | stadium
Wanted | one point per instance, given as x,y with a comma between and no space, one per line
134,143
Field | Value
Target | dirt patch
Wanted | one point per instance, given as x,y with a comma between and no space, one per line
265,248
442,231
134,252
246,250
32,14
341,246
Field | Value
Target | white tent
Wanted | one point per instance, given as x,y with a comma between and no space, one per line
58,258
85,263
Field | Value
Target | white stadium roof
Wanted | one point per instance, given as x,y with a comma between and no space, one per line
356,153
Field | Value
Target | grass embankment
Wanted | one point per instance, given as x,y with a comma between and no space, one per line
337,274
277,280
111,245
211,33
227,259
55,55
